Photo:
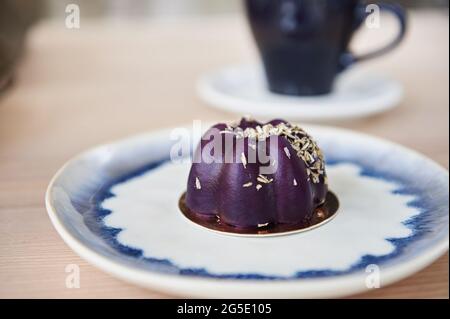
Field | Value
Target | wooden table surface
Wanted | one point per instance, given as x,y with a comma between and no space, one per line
78,88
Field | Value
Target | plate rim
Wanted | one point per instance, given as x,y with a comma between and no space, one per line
195,286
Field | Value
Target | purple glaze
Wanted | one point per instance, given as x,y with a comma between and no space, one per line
222,193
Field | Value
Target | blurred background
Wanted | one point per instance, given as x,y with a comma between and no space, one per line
16,16
152,8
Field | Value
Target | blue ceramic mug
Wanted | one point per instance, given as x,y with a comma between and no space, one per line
304,44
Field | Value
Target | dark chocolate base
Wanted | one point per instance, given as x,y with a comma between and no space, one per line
321,214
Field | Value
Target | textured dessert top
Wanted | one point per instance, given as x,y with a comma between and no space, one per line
303,144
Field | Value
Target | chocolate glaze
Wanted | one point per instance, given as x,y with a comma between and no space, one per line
322,213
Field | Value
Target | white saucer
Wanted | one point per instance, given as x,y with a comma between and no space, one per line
242,89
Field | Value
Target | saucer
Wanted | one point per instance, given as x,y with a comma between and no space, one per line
117,206
242,89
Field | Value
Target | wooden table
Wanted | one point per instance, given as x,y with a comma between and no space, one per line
78,88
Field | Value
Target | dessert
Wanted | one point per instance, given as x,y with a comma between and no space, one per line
250,177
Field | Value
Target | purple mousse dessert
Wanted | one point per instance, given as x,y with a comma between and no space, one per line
250,177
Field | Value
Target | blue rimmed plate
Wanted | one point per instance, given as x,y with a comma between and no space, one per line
116,206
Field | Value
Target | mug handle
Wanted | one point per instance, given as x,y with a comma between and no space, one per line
347,59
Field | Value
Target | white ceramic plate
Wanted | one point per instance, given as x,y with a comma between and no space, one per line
116,206
242,89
